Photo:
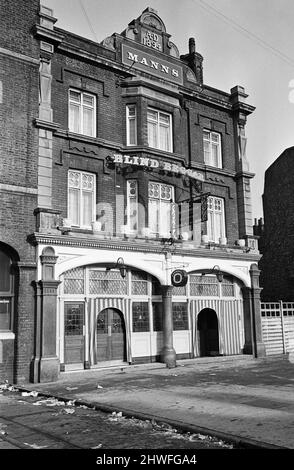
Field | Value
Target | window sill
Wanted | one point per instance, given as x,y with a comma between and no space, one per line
213,167
80,229
6,335
77,135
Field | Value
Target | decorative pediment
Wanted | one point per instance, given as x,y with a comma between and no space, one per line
149,17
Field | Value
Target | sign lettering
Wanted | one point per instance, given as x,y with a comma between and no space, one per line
153,163
147,63
152,40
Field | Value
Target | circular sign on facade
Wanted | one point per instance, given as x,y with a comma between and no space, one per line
179,278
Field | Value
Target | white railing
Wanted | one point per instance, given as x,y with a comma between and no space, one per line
277,321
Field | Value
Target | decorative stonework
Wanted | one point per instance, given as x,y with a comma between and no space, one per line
109,43
174,51
63,258
139,245
48,260
47,221
150,18
45,110
190,76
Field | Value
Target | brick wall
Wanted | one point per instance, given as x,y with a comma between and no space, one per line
19,70
16,22
277,240
6,360
18,165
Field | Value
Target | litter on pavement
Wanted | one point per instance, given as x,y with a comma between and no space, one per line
115,416
49,402
29,394
35,446
9,388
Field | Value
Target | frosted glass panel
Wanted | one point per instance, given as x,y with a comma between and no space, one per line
154,215
165,218
88,121
132,132
74,118
164,138
87,208
74,209
152,134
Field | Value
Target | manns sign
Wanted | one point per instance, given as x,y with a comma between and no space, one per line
151,64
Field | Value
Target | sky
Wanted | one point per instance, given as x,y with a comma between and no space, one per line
247,43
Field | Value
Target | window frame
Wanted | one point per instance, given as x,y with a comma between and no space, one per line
7,296
180,308
81,114
81,191
128,119
170,126
209,161
211,213
143,325
159,230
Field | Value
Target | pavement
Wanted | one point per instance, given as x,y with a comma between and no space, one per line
243,400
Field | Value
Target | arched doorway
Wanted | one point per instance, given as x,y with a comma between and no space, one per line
111,336
207,326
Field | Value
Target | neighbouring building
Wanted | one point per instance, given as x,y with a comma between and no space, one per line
277,262
277,249
19,104
125,220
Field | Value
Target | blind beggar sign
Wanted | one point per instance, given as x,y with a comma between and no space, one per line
154,163
151,64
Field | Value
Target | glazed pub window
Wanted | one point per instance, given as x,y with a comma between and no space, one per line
180,316
160,200
6,292
139,283
132,205
140,317
159,125
131,118
81,198
82,113
212,149
216,219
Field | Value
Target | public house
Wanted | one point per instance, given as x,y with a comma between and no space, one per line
143,234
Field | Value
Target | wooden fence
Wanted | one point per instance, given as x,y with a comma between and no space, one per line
277,321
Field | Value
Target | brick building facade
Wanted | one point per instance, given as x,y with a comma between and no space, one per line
131,237
276,264
19,78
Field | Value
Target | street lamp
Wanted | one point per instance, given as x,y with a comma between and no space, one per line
120,264
216,270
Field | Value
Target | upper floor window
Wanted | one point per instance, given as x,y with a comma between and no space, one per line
160,200
131,124
6,292
81,198
216,219
159,130
212,148
82,113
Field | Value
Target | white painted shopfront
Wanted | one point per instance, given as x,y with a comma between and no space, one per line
104,319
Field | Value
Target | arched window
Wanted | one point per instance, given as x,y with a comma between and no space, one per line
6,292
